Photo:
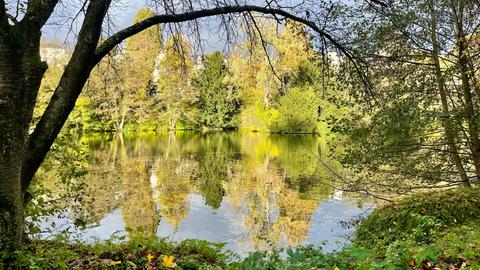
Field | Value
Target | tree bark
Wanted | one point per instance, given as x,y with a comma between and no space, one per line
446,121
469,109
11,202
12,136
21,71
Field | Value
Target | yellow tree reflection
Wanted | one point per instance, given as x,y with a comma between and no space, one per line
275,215
172,188
119,177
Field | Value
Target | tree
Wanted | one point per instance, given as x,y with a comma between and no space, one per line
420,129
175,66
141,53
105,94
218,102
264,71
120,85
298,111
22,69
289,48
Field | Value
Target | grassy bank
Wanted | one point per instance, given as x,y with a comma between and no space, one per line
435,230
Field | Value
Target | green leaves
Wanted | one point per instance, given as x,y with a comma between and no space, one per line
298,111
218,103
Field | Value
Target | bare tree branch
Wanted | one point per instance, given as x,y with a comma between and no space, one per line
117,38
12,18
381,3
267,54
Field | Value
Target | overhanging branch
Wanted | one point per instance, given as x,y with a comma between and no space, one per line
120,36
12,18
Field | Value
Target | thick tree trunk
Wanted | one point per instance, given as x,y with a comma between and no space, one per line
12,138
69,88
11,204
21,72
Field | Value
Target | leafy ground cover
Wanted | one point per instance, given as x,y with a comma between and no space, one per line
435,230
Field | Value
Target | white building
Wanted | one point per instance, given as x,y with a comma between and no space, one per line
54,54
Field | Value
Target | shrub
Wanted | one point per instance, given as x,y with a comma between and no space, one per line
419,218
298,111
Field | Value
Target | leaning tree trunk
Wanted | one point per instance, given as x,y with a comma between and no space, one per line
21,72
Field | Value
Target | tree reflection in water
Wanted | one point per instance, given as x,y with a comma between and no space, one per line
274,183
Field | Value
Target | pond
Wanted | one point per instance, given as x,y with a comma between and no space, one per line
252,191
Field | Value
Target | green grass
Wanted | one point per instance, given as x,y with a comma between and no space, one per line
434,230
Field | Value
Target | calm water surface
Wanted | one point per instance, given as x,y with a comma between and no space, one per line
252,191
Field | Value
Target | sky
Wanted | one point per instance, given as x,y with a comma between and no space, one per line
123,16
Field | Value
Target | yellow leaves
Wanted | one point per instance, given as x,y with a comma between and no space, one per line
113,263
167,261
150,257
151,263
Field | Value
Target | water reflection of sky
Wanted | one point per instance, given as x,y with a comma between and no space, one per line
250,191
223,225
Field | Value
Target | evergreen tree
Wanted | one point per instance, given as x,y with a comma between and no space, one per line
218,102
